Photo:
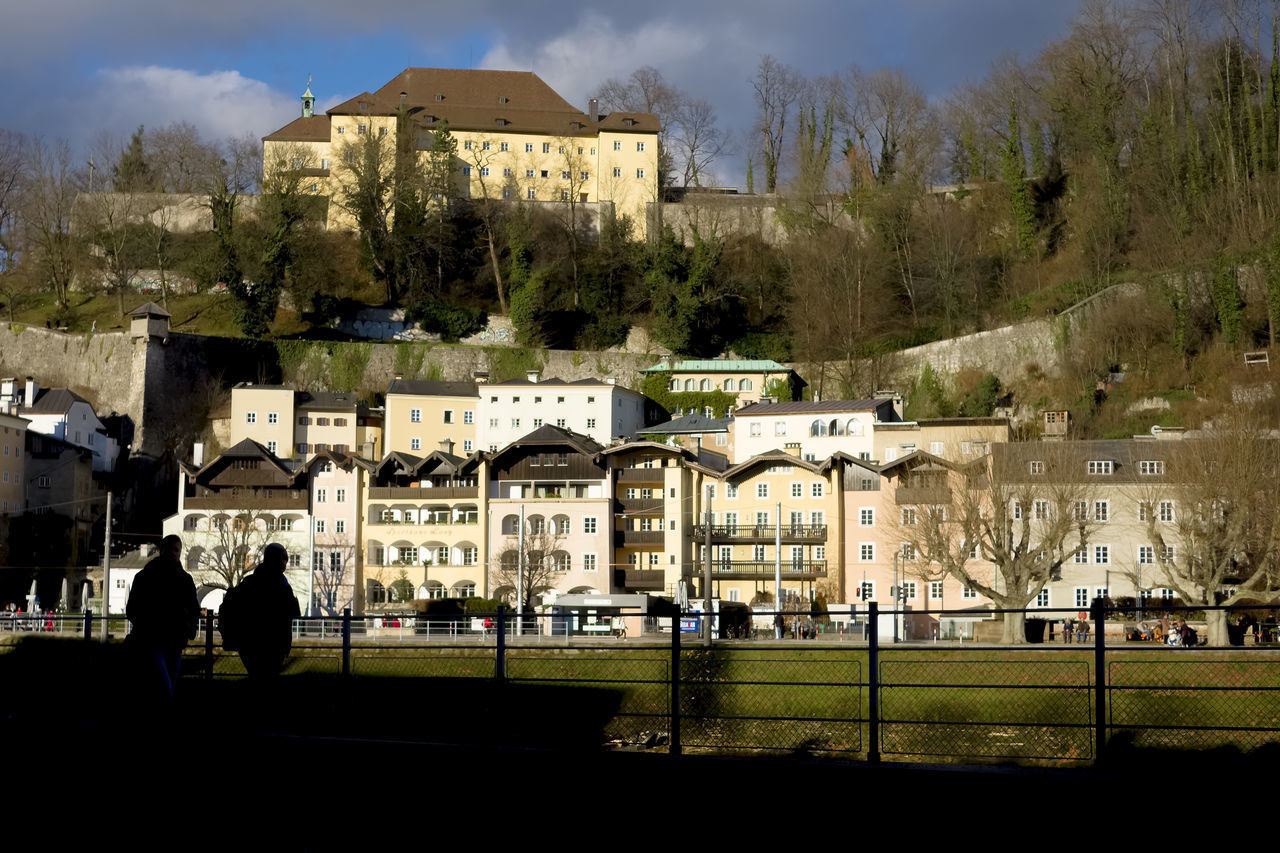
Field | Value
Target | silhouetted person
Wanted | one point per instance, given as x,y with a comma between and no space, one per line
257,616
164,612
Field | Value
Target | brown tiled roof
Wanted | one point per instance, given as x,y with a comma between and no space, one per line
303,129
470,100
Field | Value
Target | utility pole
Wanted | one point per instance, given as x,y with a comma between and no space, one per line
777,560
520,577
706,573
106,575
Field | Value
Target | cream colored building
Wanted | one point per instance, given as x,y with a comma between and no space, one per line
508,411
299,424
420,414
13,437
748,379
516,139
956,439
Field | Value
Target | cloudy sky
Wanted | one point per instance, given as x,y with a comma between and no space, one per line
75,68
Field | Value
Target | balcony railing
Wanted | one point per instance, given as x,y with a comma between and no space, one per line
764,569
645,580
761,532
637,538
640,475
439,493
245,503
653,505
426,522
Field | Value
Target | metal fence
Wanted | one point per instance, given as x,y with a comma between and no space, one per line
678,688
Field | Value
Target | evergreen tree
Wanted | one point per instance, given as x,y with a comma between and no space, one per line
132,173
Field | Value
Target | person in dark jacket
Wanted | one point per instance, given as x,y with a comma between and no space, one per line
164,613
257,616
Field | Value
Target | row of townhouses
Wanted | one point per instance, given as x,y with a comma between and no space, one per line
457,489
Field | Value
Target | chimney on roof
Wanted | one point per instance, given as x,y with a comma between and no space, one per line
767,399
32,389
532,375
197,454
897,401
481,377
792,447
593,109
446,446
404,99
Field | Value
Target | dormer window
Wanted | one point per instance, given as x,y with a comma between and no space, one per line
502,99
439,96
502,122
1100,466
627,122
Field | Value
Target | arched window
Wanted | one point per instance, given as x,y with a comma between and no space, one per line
730,385
744,385
689,385
704,385
674,386
511,525
855,426
817,428
833,428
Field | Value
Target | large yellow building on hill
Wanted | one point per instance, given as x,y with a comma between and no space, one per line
516,139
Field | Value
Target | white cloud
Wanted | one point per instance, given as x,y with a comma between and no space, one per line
219,104
576,61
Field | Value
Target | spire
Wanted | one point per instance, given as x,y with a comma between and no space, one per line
308,100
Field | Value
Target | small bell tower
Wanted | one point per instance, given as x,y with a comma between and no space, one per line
308,101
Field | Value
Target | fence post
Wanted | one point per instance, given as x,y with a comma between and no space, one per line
88,624
208,645
673,737
500,647
346,641
873,682
1100,676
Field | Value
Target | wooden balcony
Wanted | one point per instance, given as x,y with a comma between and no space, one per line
762,534
640,475
752,570
640,505
413,493
640,580
928,495
638,538
245,504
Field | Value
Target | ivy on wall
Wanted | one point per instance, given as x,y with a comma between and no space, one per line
654,386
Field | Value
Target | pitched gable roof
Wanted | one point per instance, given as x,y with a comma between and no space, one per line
54,401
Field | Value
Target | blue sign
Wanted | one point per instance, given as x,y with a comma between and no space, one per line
689,625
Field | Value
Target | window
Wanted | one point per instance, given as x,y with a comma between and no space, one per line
1036,467
1146,555
340,495
639,146
302,446
362,129
515,423
415,416
731,490
322,421
273,417
617,172
546,148
866,552
251,418
1101,510
1080,556
1151,467
340,526
908,590
755,428
271,446
1040,510
909,516
589,524
319,525
816,490
321,495
303,420
528,149
484,146
560,422
1082,596
1017,509
466,146
1169,555
564,174
341,129
866,517
908,551
935,590
589,562
1166,511
966,592
382,131
1042,598
1102,554
762,490
415,444
779,427
639,173
467,445
797,490
531,194
1080,512
468,417
591,423
617,145
466,171
1100,466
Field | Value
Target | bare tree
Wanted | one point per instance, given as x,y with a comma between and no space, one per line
183,162
531,569
491,206
777,88
232,547
645,91
696,141
1212,521
12,187
1003,526
46,214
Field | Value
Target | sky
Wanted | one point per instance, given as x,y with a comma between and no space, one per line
79,69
